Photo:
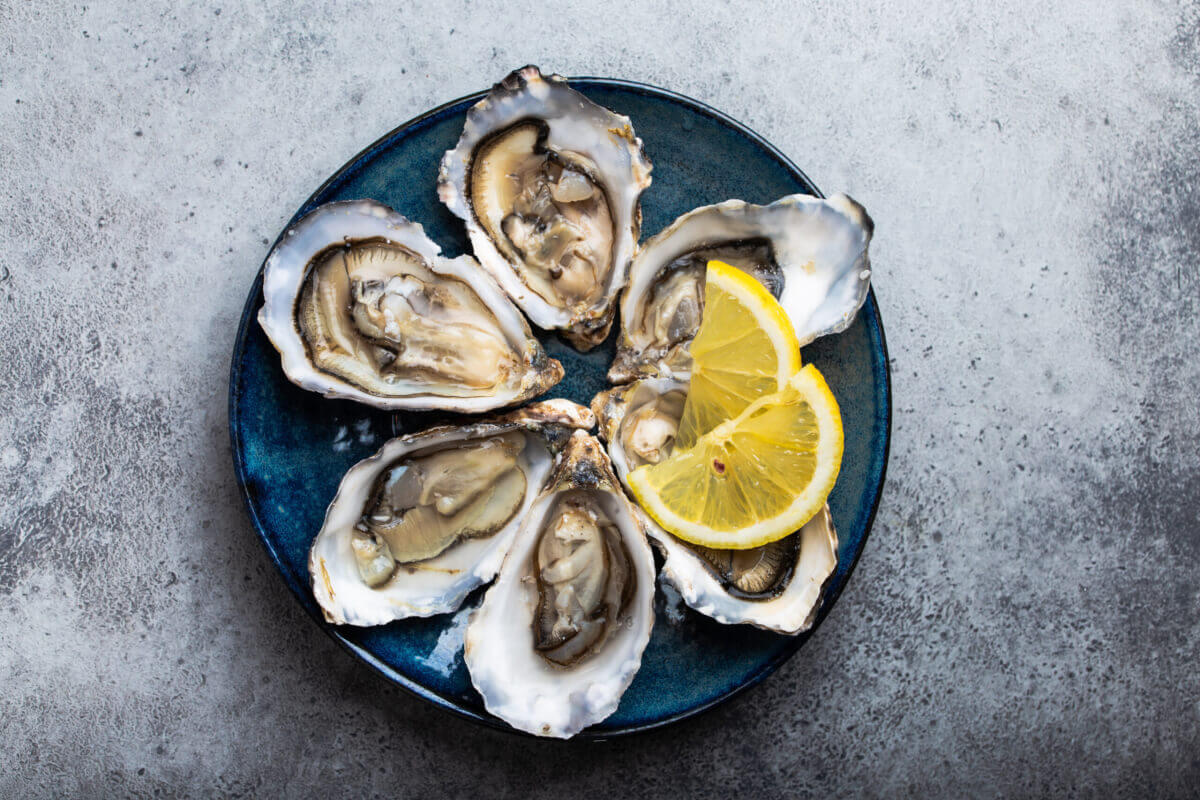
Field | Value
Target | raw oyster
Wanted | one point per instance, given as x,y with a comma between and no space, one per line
415,527
810,253
776,586
560,634
361,306
548,185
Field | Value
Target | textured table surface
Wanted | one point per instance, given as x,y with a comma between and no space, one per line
1025,619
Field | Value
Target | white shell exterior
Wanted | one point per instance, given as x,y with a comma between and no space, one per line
578,125
820,246
334,223
517,684
440,584
793,610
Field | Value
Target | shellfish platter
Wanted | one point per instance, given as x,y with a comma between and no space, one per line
508,519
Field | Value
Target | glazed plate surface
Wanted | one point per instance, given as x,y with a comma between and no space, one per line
291,447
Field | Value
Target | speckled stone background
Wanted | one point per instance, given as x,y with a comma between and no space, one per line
1025,620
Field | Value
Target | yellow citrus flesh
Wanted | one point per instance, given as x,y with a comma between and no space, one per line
745,349
753,479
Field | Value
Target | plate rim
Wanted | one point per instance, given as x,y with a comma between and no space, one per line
883,374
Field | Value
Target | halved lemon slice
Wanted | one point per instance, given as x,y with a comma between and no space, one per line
752,479
745,349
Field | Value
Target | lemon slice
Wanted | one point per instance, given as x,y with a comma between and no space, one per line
752,479
745,349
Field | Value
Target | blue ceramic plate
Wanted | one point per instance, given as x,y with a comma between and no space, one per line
291,447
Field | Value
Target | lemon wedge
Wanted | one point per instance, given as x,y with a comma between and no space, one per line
745,349
753,479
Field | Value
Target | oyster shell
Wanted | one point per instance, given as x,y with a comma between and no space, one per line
560,634
810,253
776,586
415,527
548,185
361,306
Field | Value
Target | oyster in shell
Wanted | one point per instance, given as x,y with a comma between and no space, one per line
810,253
560,634
415,527
548,185
776,586
361,306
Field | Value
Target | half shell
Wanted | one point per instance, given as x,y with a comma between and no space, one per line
560,634
810,253
776,586
361,306
548,184
358,578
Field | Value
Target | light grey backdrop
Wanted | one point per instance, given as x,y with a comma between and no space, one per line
1025,618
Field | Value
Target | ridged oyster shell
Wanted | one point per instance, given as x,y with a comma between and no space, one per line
520,683
792,572
462,346
809,252
437,585
558,252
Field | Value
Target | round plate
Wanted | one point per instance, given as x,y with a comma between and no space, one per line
291,447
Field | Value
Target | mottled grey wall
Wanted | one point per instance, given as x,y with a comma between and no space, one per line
1025,618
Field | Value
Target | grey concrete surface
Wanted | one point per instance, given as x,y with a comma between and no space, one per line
1025,619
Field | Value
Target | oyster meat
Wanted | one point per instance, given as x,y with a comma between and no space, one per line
810,253
776,586
560,634
361,306
415,527
548,184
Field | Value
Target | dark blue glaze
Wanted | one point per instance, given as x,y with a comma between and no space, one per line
291,447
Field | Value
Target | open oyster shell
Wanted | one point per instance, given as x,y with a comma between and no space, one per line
560,634
776,586
810,253
548,185
361,306
417,526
